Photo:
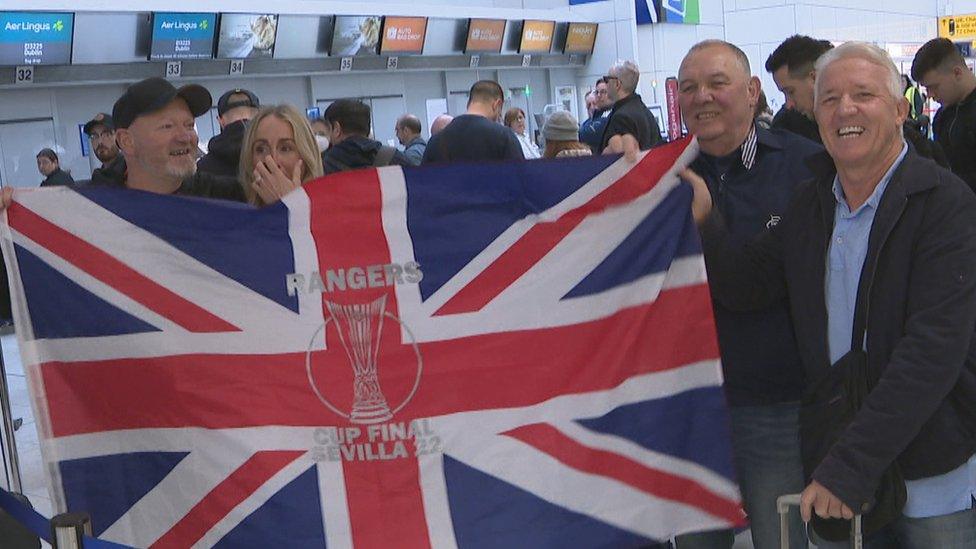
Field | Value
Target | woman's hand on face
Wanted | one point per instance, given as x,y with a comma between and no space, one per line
271,183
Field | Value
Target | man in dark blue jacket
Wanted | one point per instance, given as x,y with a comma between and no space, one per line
591,130
350,146
751,175
886,241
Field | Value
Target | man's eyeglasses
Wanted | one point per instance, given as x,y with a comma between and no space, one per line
608,78
95,136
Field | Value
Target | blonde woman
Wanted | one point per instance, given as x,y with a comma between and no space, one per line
279,153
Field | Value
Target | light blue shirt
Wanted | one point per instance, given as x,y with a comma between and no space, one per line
927,497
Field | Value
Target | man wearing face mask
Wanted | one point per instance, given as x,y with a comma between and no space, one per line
234,109
321,130
476,134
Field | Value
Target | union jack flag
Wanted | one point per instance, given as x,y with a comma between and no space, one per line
502,355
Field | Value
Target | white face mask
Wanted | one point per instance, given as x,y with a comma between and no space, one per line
323,142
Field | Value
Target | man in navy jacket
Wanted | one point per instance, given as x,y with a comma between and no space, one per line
893,235
751,174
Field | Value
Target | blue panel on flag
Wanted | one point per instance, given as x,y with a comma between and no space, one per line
291,518
484,509
256,251
668,233
474,206
59,307
107,486
693,425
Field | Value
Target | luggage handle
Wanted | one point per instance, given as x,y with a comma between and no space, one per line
783,504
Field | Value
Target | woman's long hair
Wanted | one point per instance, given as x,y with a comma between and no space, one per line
304,141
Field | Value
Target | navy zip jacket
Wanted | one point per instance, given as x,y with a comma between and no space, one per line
760,361
919,284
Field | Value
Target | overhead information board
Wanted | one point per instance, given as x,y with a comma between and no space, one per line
580,38
35,38
403,34
958,27
536,36
182,35
356,35
485,36
246,35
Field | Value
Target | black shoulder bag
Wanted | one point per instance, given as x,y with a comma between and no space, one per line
828,406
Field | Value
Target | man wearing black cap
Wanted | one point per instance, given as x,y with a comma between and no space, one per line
155,131
234,109
101,133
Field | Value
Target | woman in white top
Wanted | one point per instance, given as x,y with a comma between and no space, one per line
515,119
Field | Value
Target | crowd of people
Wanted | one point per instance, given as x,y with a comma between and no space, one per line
840,243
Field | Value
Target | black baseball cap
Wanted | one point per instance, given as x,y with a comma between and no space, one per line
152,94
100,119
224,104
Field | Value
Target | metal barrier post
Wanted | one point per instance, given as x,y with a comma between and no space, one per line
9,437
783,504
857,538
67,530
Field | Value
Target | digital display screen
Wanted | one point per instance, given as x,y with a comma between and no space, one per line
182,36
244,35
403,34
356,35
485,36
536,36
35,38
580,38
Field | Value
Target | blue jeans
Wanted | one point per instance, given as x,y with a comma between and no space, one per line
766,448
953,531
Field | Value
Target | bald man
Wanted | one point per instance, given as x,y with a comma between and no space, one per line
440,123
408,133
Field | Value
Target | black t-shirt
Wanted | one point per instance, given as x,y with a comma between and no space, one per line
631,116
58,177
200,184
470,137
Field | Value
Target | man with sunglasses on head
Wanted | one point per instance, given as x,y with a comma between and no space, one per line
630,115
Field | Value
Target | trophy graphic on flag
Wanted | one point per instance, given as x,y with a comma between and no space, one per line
360,327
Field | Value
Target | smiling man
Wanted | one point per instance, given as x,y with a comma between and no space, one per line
154,128
751,173
877,256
